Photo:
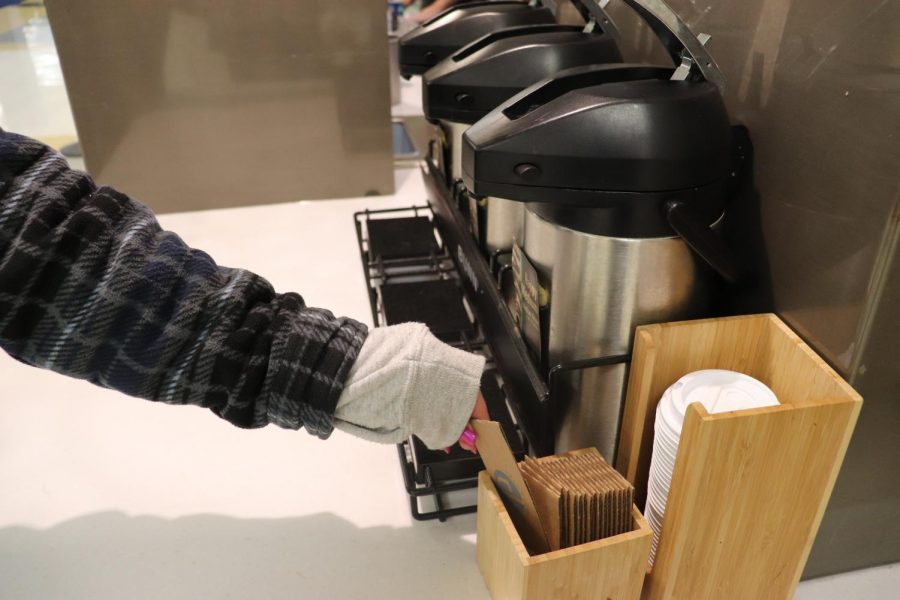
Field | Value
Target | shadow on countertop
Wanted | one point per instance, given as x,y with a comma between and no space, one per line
322,556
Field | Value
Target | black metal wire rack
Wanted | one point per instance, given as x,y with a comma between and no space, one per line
411,276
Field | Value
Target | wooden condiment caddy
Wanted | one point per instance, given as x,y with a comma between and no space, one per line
748,491
613,567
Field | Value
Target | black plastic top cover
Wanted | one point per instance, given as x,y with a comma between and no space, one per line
438,38
476,79
618,137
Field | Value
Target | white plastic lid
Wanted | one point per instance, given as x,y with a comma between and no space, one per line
717,390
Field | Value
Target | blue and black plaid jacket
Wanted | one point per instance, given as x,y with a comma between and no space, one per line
91,287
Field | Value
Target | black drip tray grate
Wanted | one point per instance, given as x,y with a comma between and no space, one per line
406,237
437,303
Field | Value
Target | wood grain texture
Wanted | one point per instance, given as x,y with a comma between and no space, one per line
750,487
607,569
638,416
501,555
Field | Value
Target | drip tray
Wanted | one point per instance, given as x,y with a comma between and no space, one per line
408,237
437,303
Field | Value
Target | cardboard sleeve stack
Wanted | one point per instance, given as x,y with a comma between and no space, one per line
748,491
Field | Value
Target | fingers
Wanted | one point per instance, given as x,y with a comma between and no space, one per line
467,439
480,411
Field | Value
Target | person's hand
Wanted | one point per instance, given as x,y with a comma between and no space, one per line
467,439
480,411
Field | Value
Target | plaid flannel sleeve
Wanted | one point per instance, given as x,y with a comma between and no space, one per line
92,287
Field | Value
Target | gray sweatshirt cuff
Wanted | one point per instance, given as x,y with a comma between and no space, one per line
405,381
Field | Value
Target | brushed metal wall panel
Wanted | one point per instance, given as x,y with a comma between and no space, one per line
862,525
818,84
190,104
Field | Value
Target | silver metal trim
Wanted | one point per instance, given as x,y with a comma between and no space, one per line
680,42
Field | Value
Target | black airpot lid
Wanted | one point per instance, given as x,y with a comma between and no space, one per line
622,138
619,150
602,136
476,79
438,38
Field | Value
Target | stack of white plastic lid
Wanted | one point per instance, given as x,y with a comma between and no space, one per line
718,391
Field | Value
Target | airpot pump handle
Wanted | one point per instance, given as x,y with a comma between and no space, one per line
702,240
683,46
594,12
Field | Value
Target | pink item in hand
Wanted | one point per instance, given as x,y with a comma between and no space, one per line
468,436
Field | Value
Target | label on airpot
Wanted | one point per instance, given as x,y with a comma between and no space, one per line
530,296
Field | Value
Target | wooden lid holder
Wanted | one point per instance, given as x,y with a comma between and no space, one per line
748,491
749,487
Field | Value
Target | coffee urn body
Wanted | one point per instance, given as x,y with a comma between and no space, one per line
624,174
600,288
466,86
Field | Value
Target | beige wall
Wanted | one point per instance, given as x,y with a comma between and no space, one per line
817,83
190,104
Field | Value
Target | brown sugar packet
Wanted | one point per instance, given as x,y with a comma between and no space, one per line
591,506
583,519
621,512
615,513
621,495
560,470
623,503
574,480
546,499
564,504
543,466
624,500
576,505
590,477
584,498
549,469
629,503
610,482
618,511
578,480
589,480
573,501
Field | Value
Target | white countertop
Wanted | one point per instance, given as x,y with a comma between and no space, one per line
106,496
410,104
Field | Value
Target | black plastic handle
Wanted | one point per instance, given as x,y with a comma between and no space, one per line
702,240
679,41
594,13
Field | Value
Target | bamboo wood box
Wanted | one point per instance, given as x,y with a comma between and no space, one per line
611,568
750,487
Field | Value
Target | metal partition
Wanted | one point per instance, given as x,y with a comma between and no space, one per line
817,82
190,104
